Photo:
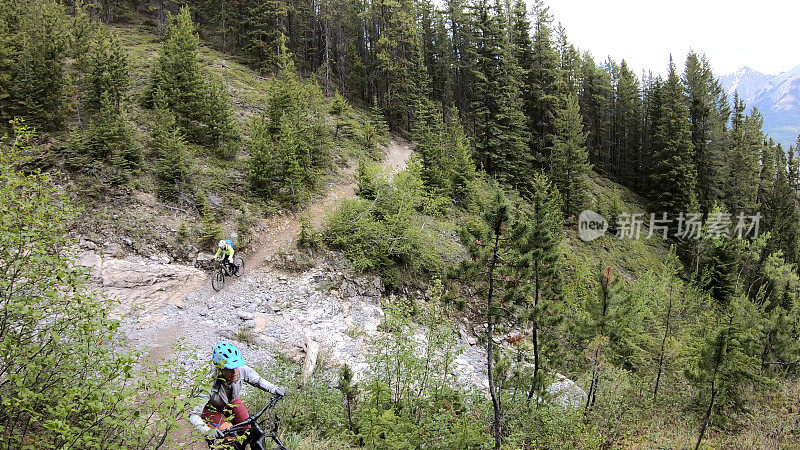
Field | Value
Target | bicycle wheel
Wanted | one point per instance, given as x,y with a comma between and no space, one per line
239,263
218,280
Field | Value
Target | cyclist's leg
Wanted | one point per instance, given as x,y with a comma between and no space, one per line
231,265
217,419
240,414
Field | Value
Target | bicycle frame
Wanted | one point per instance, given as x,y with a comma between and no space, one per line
253,420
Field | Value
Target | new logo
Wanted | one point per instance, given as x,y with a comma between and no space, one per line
591,225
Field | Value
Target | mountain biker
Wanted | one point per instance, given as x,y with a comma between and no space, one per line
222,402
225,249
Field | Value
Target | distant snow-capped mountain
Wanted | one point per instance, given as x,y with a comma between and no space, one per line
776,96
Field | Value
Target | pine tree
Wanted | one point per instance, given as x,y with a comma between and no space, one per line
400,63
462,171
485,80
674,176
704,97
264,166
652,96
569,165
743,164
628,127
437,50
176,72
488,246
34,83
290,142
793,168
543,87
339,109
108,71
499,123
768,167
538,271
464,41
172,166
429,134
779,317
220,129
722,366
781,217
595,98
109,140
570,62
264,25
202,109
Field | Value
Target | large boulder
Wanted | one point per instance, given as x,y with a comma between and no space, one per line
204,261
140,286
566,393
148,287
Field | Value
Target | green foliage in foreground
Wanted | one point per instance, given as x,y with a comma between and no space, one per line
406,397
67,379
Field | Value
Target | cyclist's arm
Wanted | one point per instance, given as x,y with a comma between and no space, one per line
194,415
219,251
229,252
252,377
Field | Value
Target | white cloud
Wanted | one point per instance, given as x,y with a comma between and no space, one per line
762,34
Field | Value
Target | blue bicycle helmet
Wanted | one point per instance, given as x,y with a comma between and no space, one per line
227,356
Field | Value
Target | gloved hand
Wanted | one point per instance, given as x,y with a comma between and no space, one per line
218,434
279,391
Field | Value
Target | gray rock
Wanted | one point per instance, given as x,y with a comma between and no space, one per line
204,260
149,287
244,315
89,245
127,241
164,260
566,393
114,249
462,333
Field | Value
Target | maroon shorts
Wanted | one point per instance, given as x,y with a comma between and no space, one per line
234,411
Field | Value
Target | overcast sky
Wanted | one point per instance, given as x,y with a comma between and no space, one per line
761,34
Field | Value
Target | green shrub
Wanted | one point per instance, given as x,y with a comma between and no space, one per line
309,237
541,426
173,162
389,235
211,232
289,151
370,180
68,379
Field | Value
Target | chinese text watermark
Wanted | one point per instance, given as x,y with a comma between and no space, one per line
592,225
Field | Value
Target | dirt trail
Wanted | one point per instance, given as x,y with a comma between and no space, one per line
277,232
281,230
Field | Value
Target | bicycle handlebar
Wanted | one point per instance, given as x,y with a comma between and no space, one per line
239,426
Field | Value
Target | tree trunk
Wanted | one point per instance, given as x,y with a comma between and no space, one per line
708,415
535,334
498,418
663,343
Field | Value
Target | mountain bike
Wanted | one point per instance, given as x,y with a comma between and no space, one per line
256,437
223,270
